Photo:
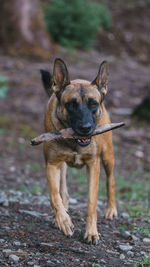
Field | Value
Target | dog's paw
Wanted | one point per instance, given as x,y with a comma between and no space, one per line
91,235
91,238
64,223
111,212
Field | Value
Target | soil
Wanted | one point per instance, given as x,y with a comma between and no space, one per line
26,217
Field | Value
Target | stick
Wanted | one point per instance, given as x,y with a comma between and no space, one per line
69,133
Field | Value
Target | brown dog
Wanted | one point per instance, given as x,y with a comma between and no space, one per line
78,104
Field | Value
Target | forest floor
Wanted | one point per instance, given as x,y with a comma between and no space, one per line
26,229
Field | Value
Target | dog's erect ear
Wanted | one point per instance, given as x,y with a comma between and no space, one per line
47,81
101,79
60,74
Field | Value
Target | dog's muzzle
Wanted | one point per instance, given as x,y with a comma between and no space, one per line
83,141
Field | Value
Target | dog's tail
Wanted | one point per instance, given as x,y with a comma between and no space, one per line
47,81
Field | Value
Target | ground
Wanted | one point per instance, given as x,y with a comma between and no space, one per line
26,216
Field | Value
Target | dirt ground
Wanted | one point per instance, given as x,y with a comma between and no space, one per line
27,236
26,217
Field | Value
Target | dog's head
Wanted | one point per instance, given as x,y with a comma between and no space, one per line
79,101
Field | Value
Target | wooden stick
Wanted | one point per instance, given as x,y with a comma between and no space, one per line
69,133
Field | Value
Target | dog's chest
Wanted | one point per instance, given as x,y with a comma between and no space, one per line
76,160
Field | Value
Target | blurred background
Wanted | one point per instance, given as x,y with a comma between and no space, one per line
83,33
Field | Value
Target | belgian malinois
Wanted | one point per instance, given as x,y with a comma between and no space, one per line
78,104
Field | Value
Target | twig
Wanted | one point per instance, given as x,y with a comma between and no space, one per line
69,133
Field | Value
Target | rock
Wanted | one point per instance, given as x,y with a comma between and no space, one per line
30,263
139,154
14,258
2,199
146,241
2,240
122,256
12,168
130,253
125,247
46,244
7,252
36,265
126,234
102,261
17,243
125,215
50,263
143,253
6,203
134,237
72,201
31,213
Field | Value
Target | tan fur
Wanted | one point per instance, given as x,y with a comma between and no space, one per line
58,153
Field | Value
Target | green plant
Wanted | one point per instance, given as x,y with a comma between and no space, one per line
127,189
143,231
123,227
32,189
74,24
96,265
145,262
136,210
3,87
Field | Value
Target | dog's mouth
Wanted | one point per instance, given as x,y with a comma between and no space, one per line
83,141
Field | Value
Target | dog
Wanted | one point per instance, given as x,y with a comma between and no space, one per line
78,104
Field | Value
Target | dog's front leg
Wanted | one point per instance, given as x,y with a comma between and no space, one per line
93,171
62,219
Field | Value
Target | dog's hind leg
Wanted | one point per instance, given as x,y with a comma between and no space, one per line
63,185
108,163
62,219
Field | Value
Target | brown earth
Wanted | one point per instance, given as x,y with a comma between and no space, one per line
25,214
22,168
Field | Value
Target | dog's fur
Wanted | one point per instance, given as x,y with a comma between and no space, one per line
77,104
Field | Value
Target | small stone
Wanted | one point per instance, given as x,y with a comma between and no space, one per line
2,240
36,265
50,263
125,247
134,237
122,256
125,215
143,253
6,203
2,199
130,253
102,261
17,243
21,140
12,168
126,234
7,252
31,213
14,258
46,244
30,263
72,201
146,241
139,154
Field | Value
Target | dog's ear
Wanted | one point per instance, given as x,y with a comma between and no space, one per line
60,74
101,79
47,81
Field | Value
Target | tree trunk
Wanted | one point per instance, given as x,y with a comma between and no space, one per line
22,28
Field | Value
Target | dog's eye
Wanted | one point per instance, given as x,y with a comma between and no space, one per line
92,103
71,105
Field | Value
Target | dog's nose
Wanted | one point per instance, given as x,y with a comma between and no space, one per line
86,127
